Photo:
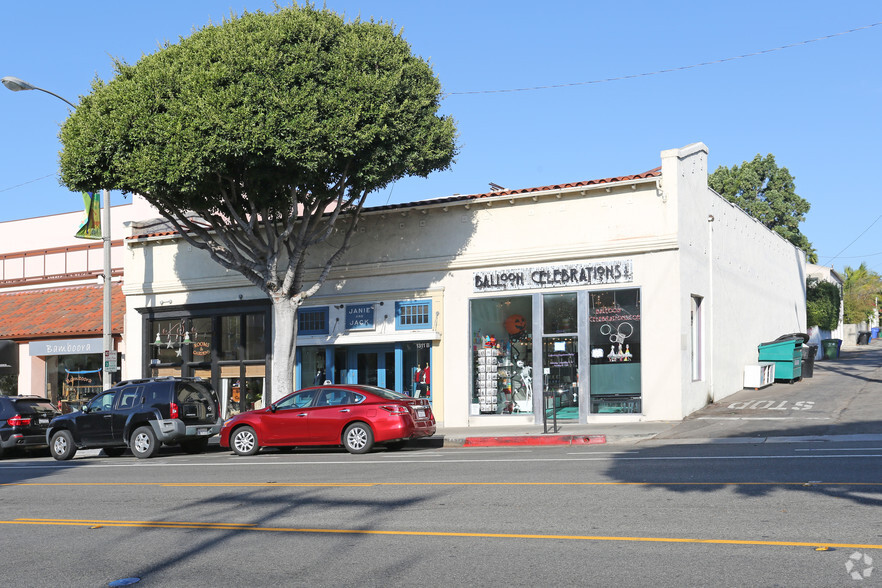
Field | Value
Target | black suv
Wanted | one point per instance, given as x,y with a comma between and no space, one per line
24,421
140,415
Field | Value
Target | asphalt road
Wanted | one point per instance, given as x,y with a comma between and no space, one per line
650,514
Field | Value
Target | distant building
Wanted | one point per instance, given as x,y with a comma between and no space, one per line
639,297
51,301
816,334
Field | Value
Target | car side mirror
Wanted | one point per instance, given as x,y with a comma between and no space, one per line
86,409
272,408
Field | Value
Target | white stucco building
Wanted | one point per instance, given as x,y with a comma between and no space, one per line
632,298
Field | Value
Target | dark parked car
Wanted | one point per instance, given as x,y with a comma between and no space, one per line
24,421
140,415
353,416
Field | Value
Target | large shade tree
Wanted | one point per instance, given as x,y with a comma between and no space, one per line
259,138
768,193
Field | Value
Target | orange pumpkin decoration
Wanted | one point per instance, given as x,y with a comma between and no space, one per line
515,324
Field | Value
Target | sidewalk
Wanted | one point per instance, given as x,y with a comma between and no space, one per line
846,390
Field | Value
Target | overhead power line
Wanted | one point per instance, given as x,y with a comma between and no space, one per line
663,71
855,240
26,183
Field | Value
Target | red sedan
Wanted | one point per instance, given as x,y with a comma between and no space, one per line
354,416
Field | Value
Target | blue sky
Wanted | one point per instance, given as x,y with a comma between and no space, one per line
815,106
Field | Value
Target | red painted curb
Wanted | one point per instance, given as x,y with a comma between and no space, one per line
534,440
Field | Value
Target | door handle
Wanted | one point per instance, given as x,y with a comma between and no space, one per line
345,410
302,414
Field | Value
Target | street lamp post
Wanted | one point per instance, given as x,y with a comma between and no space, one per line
17,85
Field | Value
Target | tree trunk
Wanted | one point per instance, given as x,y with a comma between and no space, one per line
284,347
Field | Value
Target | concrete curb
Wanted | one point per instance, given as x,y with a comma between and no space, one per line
532,440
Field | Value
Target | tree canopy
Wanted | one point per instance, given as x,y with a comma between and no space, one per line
768,193
860,290
258,136
823,301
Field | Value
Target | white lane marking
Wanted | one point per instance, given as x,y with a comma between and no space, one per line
763,419
437,462
843,449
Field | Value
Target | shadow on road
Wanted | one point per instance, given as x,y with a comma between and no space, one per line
800,462
284,504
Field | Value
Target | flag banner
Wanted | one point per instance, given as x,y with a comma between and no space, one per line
90,228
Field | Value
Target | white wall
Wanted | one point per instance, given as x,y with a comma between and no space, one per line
751,279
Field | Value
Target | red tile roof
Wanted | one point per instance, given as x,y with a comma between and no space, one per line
59,312
653,173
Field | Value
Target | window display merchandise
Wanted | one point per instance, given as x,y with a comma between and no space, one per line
502,347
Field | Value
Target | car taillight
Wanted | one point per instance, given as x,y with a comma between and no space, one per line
395,408
173,410
19,421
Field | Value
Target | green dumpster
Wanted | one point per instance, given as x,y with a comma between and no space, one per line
831,348
787,355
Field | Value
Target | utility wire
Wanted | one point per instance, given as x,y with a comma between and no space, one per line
26,183
855,239
669,70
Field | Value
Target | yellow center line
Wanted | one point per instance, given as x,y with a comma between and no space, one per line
246,527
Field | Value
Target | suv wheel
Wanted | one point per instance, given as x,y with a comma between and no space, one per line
244,441
62,445
195,445
143,443
358,438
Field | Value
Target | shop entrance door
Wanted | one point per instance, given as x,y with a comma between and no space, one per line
561,367
375,367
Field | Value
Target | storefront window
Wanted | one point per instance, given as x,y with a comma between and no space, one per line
312,365
228,339
560,313
199,343
255,337
417,371
234,345
502,346
614,328
73,380
240,391
166,337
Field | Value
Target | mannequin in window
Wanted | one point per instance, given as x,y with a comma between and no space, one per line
423,380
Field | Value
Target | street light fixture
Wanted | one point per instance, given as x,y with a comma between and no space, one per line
17,85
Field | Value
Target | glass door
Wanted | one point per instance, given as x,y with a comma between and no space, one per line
368,370
375,367
560,355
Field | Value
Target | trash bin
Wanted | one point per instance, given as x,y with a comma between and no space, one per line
787,355
874,333
863,338
808,360
831,348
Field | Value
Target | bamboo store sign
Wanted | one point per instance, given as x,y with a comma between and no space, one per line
555,276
